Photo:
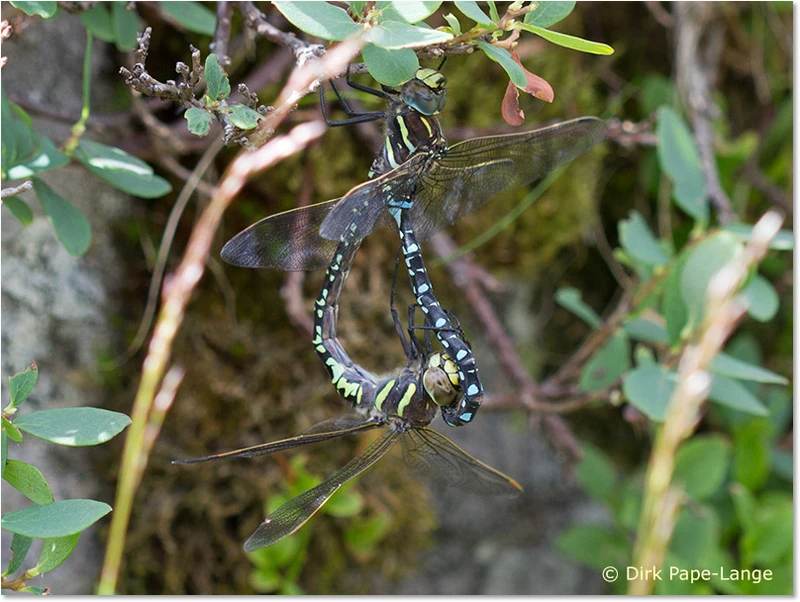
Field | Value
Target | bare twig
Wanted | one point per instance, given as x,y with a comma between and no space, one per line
723,310
255,20
222,32
697,60
15,190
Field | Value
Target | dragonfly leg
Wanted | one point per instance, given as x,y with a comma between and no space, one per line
361,87
355,117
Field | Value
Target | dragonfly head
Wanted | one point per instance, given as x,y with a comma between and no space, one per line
425,93
441,380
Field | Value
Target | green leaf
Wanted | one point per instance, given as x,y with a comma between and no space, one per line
126,26
732,394
19,141
493,11
192,15
637,239
641,329
59,519
705,260
783,241
783,464
549,13
244,117
473,11
55,551
319,19
21,384
679,159
771,540
761,298
595,546
393,35
121,170
97,20
19,549
608,364
363,536
74,427
19,209
218,86
649,389
42,8
701,465
199,121
696,532
452,21
410,11
46,157
751,453
570,299
597,474
390,67
71,226
571,42
357,7
29,481
11,430
3,452
265,580
503,57
735,368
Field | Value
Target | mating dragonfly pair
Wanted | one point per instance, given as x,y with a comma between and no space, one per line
418,185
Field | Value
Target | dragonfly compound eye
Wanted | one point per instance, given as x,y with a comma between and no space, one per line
438,386
418,95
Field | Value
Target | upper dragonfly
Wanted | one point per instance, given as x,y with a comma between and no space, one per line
420,185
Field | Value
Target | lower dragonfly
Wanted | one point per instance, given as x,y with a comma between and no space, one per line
403,403
416,180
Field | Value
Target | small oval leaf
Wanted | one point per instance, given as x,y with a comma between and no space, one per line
199,121
649,388
607,365
74,427
728,392
735,368
502,56
192,15
701,465
59,519
409,11
55,551
761,298
19,549
390,67
637,239
244,117
29,481
567,41
394,35
43,8
319,19
125,24
473,10
570,299
71,226
218,87
21,384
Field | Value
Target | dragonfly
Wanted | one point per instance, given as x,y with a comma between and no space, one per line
403,404
419,185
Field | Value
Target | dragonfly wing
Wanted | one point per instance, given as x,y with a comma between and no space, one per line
473,171
285,241
365,206
295,513
435,456
328,429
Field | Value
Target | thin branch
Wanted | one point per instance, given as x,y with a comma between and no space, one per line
255,20
222,32
697,60
723,311
15,190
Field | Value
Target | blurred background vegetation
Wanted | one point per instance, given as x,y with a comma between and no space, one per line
251,374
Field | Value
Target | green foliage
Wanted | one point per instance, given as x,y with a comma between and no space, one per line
192,15
125,25
198,120
218,86
71,226
680,160
390,67
58,523
570,299
608,364
244,117
503,57
42,8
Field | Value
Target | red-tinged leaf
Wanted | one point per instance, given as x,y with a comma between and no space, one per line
510,110
535,86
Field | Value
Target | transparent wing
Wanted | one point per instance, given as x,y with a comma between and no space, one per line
435,456
472,172
364,207
323,431
295,513
285,241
